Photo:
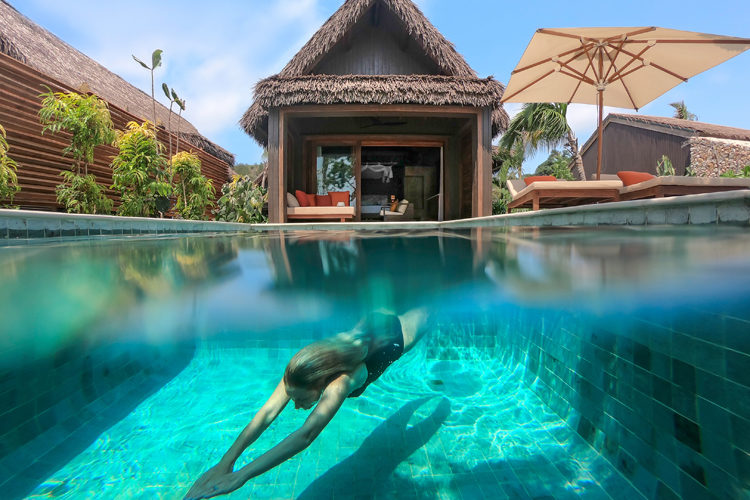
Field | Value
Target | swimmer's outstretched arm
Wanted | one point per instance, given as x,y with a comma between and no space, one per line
223,480
260,422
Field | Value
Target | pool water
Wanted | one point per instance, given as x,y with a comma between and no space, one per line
563,363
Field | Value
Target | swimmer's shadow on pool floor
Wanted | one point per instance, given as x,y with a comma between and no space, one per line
369,469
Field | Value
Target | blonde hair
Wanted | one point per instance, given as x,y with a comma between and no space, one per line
314,365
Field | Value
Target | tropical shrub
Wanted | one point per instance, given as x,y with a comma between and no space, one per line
81,194
242,201
86,118
500,199
664,167
139,171
195,193
89,123
8,168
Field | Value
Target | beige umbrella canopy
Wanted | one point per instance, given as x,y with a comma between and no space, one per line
624,67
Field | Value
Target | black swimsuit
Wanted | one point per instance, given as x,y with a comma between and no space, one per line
381,359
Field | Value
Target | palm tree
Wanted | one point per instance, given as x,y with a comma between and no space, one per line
681,111
543,125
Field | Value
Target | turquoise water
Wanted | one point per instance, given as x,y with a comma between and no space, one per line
563,364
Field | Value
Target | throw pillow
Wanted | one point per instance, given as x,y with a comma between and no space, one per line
291,201
535,178
339,196
302,197
311,199
629,177
323,200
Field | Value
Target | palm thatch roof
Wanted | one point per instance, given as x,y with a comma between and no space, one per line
31,44
435,90
458,85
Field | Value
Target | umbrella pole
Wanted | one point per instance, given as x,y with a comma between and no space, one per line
600,105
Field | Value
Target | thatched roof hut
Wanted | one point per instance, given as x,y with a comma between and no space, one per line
31,44
305,80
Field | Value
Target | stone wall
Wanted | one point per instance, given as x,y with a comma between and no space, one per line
711,157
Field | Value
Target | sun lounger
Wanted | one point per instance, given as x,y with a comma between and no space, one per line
555,194
674,185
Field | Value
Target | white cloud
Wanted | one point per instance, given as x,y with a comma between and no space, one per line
211,59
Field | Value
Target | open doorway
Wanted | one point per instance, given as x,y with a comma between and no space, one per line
396,173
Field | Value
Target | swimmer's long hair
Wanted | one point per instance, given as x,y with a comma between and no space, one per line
315,365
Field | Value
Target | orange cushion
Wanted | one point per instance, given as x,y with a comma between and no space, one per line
339,196
302,198
323,200
629,177
311,199
534,178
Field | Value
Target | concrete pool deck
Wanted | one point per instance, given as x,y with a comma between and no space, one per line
731,208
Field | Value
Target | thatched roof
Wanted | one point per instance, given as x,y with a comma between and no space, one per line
278,91
416,24
689,126
295,85
31,44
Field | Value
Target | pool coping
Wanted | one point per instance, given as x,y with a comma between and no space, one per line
732,208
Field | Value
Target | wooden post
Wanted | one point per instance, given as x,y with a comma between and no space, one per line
282,166
275,216
476,145
482,182
599,135
485,172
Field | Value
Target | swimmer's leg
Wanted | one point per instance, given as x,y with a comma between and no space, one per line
414,324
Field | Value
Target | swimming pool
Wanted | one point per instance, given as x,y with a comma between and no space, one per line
603,363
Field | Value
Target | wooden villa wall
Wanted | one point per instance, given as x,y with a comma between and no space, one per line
40,158
634,148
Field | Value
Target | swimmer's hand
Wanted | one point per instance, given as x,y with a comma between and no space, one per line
217,480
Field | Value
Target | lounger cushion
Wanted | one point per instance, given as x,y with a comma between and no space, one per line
323,200
338,197
292,201
629,177
535,178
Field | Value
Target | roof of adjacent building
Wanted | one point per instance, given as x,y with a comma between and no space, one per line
457,84
29,43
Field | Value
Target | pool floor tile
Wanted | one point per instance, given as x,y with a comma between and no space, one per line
395,442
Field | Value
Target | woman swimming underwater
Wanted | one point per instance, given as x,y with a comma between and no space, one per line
325,372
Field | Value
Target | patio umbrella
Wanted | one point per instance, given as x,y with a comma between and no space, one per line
626,67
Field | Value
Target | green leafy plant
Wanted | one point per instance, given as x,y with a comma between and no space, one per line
81,194
557,165
195,192
155,63
745,173
173,99
139,171
8,168
86,118
242,201
664,167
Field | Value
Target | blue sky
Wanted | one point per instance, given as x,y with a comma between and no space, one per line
215,52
